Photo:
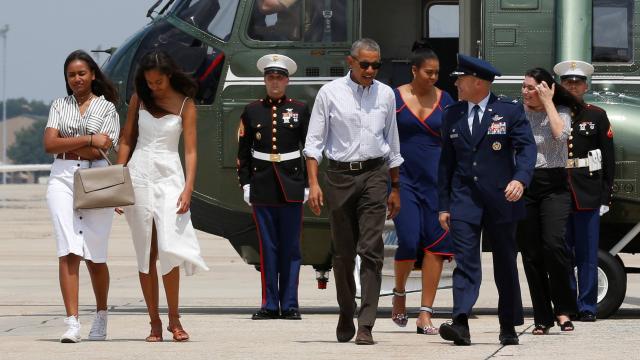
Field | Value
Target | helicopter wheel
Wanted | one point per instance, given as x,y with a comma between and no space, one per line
612,284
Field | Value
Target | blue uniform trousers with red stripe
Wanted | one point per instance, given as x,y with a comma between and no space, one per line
583,234
279,228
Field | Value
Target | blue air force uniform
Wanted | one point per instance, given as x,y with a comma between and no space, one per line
271,170
473,173
590,188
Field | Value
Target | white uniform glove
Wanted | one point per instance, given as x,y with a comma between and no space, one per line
603,209
306,195
247,190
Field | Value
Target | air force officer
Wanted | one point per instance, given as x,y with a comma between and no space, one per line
488,157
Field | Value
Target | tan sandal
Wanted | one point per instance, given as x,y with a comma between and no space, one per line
179,335
156,331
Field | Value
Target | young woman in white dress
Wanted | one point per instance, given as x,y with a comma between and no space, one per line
80,124
160,221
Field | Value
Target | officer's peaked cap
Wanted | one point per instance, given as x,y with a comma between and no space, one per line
469,65
573,70
277,63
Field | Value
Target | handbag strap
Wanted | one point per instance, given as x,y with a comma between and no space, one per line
105,156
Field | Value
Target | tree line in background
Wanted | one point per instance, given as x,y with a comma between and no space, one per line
28,147
22,106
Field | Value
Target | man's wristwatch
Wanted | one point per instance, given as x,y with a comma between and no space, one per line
395,184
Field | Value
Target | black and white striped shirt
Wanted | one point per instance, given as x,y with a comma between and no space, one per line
100,117
552,152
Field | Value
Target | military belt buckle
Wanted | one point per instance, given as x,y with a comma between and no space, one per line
274,157
355,165
570,163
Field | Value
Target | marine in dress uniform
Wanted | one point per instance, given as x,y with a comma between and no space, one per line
487,159
591,169
272,174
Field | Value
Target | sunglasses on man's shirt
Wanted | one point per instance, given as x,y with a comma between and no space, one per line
364,65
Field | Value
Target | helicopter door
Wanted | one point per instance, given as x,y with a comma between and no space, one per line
441,30
434,21
385,22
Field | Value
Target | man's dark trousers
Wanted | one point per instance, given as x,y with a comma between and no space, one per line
357,210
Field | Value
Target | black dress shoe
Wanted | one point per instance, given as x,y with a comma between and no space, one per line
508,336
291,314
456,332
364,336
264,314
345,329
586,316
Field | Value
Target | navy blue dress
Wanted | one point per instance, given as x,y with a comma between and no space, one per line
417,224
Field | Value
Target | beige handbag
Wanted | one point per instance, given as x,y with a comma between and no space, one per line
102,187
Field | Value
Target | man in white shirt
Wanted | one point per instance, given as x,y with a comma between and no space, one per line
354,123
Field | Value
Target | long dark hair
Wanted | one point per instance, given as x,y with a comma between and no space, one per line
100,85
422,52
179,81
561,96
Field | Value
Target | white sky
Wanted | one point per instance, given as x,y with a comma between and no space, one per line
43,32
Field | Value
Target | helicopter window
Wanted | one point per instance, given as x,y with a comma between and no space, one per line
612,31
213,16
299,20
203,62
442,21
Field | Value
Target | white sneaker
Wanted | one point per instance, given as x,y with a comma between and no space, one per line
72,335
99,326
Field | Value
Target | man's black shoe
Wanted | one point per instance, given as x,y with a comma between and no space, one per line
264,314
508,336
345,329
586,316
456,332
291,314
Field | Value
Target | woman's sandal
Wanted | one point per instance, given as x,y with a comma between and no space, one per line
566,326
427,329
179,335
540,330
156,332
400,319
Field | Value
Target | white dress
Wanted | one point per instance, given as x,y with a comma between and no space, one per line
158,181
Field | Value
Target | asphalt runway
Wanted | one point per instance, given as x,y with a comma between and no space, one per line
217,306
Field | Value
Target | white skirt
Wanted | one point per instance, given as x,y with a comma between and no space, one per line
83,232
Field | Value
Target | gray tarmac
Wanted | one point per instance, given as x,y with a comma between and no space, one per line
217,306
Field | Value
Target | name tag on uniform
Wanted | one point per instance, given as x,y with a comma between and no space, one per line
497,128
453,136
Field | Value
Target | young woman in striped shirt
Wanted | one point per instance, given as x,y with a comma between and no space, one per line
79,124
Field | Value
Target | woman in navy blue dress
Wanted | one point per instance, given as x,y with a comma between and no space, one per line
419,107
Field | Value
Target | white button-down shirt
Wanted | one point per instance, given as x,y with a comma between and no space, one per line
483,106
352,123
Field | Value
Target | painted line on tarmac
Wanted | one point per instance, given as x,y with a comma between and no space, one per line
503,346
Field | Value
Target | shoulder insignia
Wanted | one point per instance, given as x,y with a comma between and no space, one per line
297,102
590,107
452,105
506,100
254,103
610,133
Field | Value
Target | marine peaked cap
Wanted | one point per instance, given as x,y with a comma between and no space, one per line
277,63
573,70
469,65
